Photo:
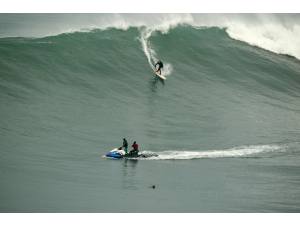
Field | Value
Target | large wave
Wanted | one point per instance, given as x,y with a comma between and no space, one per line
278,33
96,86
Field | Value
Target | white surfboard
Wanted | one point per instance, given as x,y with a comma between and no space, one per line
160,76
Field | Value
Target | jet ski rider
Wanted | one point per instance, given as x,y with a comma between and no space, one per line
135,149
125,145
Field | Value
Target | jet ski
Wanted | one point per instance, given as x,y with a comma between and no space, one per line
119,153
116,153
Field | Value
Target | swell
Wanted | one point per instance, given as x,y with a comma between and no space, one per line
63,59
100,85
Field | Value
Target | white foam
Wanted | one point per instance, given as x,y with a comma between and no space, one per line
274,37
150,52
242,151
278,33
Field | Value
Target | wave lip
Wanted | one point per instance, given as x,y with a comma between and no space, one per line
236,152
278,33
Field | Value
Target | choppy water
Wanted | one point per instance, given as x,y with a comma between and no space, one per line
225,123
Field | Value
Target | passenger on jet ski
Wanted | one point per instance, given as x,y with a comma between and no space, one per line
135,149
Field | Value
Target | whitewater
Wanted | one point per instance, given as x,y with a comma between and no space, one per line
225,123
274,32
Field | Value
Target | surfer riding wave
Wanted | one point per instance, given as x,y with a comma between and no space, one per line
158,66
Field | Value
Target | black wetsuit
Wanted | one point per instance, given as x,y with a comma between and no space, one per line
160,65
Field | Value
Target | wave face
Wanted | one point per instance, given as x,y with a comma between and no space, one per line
98,86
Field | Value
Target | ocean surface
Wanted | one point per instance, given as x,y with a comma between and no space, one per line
225,124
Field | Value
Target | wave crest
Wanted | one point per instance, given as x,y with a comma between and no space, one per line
278,33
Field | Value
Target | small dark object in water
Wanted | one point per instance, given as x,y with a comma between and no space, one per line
153,186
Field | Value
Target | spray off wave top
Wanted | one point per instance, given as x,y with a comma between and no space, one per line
278,33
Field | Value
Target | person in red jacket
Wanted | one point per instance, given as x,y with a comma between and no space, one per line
135,149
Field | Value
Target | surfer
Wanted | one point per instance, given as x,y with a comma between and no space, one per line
160,66
135,149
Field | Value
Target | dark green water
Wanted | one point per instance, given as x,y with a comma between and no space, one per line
225,124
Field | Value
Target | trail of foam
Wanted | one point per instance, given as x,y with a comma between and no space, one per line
150,52
243,151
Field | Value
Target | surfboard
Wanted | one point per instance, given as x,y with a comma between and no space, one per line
160,76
